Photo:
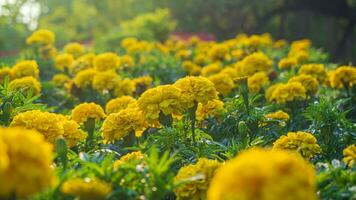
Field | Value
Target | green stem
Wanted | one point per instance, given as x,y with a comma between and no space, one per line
89,126
192,114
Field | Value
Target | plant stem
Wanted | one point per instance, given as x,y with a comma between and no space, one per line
192,114
89,126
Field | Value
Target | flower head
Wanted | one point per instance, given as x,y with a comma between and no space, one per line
118,125
278,115
343,76
164,98
84,111
84,78
223,83
212,108
310,83
195,179
350,155
282,93
253,63
26,83
281,174
106,61
75,49
133,156
301,142
257,81
25,68
72,132
211,69
318,71
87,188
5,72
125,87
105,81
120,103
26,160
64,61
60,79
41,37
196,90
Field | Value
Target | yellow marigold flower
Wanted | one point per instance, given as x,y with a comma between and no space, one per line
212,108
143,81
270,91
84,78
183,54
223,83
287,63
237,54
211,69
350,155
201,59
25,68
84,111
5,72
301,56
75,49
118,125
126,62
48,124
133,156
82,63
29,158
301,44
191,68
60,79
120,103
344,75
105,81
280,43
106,61
257,81
278,115
42,37
218,52
309,83
230,71
64,61
125,87
196,90
26,83
164,98
72,132
318,71
301,142
87,188
288,92
128,42
194,179
253,63
281,175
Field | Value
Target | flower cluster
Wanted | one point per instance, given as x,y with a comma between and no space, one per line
82,112
282,93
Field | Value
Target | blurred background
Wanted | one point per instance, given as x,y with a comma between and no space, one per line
330,24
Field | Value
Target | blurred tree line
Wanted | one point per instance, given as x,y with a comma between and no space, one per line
329,24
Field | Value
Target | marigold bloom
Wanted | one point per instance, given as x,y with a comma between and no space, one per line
164,98
120,103
126,62
350,155
64,61
301,142
257,81
218,52
196,90
287,63
48,124
82,63
25,68
253,63
75,49
309,83
212,108
84,78
72,132
283,93
230,71
106,61
211,69
5,72
42,37
278,115
118,125
223,83
343,76
281,175
191,68
318,71
28,163
105,81
87,188
125,87
26,83
84,111
60,79
133,156
195,179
